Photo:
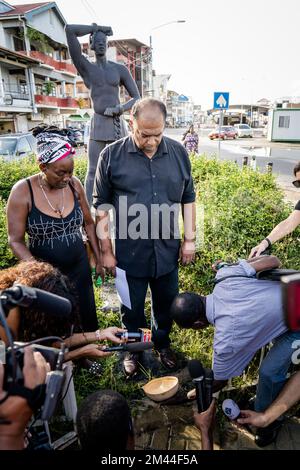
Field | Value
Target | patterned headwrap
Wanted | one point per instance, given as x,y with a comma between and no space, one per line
52,145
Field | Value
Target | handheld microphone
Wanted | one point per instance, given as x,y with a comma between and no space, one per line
197,373
144,335
208,383
25,296
130,347
230,409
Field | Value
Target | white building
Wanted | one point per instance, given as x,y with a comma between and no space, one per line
284,125
180,110
160,87
35,69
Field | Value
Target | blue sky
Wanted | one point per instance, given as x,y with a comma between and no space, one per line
249,48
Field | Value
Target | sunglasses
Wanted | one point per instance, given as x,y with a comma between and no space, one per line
296,183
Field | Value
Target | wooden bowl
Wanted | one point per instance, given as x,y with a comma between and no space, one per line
162,388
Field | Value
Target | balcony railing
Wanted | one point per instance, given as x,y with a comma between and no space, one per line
56,102
56,64
17,92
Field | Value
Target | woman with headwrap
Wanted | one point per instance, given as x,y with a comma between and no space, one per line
51,208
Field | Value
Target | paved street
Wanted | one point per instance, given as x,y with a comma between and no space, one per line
283,156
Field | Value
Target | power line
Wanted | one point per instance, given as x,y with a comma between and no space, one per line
90,10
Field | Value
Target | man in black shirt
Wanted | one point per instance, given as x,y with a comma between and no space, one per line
285,227
146,178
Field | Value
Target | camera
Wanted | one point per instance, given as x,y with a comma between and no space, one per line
291,301
51,355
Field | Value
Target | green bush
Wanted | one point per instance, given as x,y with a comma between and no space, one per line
6,257
80,168
11,172
240,209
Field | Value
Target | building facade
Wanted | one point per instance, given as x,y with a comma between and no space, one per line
180,110
160,87
37,79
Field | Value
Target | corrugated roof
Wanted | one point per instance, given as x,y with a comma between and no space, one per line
22,9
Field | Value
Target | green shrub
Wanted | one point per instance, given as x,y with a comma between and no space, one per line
11,172
6,257
80,168
240,209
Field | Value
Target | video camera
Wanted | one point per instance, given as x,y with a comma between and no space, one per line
51,304
51,356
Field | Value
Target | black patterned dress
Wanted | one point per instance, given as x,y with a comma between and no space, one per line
58,241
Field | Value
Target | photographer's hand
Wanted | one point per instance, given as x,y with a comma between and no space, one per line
15,410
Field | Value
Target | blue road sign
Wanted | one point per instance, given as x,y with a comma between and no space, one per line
221,100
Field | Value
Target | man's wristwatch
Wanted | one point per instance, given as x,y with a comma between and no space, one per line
189,239
269,242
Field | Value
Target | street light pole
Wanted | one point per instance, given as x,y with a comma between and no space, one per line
151,50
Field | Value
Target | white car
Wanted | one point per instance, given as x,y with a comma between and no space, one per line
243,130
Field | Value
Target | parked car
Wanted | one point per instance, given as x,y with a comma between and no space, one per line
75,136
243,130
227,132
16,146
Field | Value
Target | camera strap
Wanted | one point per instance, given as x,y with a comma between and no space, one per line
35,397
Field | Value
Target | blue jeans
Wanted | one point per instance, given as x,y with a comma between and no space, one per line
273,370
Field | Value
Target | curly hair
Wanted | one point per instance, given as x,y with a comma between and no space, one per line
35,323
40,129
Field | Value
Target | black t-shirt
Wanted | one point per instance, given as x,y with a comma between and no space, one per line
297,206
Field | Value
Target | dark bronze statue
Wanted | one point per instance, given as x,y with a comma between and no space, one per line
103,78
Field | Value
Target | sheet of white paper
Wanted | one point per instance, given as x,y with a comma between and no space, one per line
122,287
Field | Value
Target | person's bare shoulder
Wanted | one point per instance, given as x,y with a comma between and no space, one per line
77,183
21,187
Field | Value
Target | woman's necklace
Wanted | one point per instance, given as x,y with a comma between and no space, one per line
57,211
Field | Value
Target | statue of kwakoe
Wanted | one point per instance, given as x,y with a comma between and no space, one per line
103,78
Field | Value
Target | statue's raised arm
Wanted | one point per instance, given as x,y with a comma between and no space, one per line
103,78
74,31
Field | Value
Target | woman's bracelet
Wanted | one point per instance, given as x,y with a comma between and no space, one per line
98,335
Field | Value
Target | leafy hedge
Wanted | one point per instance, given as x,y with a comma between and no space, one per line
6,257
11,172
240,209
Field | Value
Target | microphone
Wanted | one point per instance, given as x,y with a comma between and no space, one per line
208,382
144,335
197,373
230,409
130,347
25,296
